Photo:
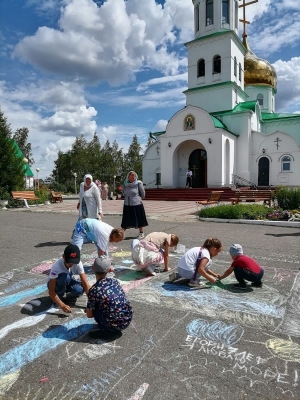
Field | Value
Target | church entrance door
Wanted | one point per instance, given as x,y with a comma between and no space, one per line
263,171
198,164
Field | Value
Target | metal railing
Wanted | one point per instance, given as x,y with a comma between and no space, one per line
241,182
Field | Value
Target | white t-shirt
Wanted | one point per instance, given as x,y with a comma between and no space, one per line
188,260
98,231
59,268
189,173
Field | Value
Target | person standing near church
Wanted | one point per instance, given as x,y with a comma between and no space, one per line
133,210
189,175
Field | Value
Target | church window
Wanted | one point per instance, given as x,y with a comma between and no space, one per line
225,12
189,123
240,71
201,68
209,12
260,99
216,64
235,67
197,18
285,164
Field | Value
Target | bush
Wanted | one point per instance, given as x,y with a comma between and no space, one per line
4,193
288,198
43,194
239,211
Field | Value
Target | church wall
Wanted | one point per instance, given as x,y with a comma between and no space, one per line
241,124
207,49
228,150
151,164
287,126
215,157
212,99
268,97
287,146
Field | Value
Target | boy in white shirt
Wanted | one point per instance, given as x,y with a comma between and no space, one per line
61,280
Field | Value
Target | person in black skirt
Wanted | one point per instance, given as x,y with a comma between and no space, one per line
133,210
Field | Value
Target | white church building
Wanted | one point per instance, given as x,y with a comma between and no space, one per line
229,127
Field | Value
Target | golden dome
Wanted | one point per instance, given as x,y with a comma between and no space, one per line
258,71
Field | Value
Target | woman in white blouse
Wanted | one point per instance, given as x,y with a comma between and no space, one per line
89,204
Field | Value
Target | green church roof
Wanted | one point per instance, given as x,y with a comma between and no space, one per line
27,170
271,116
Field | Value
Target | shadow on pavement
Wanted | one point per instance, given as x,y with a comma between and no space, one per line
282,234
52,244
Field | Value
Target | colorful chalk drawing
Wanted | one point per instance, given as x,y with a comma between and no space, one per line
23,323
19,356
21,284
43,268
6,277
122,254
216,331
139,394
8,380
220,333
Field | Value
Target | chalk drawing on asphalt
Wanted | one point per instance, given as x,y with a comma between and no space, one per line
6,277
139,394
8,380
216,331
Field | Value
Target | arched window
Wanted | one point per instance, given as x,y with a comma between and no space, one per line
216,64
225,12
209,12
240,71
197,18
260,99
285,164
201,68
235,67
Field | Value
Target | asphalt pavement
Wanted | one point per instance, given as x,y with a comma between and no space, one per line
183,343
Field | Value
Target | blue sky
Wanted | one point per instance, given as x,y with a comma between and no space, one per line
71,67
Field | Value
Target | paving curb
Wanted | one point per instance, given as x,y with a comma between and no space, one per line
286,224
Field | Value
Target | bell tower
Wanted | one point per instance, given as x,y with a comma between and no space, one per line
215,57
213,16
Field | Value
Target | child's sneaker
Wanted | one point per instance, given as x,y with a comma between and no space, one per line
257,284
141,236
196,283
150,269
173,277
240,287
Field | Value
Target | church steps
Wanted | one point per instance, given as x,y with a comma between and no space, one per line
182,194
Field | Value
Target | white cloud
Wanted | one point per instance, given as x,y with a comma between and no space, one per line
160,125
163,80
111,42
288,73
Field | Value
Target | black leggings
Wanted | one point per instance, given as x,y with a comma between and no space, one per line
243,274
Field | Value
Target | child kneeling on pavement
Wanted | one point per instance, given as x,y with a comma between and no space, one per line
107,303
244,268
61,280
196,262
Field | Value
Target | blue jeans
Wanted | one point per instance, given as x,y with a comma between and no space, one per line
65,283
80,236
243,274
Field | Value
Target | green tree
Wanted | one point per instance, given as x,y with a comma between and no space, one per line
21,137
11,163
79,157
133,158
111,162
94,157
